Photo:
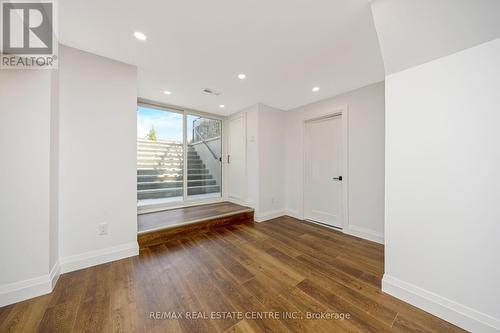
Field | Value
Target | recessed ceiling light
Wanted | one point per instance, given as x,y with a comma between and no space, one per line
222,106
242,76
315,89
140,35
166,92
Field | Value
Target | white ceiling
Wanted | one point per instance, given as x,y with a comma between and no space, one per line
413,32
285,47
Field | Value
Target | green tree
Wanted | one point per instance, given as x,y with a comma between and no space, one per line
152,134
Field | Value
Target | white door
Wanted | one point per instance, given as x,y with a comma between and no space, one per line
323,171
236,159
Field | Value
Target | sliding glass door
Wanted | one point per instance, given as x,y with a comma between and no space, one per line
179,157
204,157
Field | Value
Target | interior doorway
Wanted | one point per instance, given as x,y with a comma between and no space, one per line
324,170
236,158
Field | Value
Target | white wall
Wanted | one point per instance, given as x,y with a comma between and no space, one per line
366,157
97,178
443,187
25,108
54,171
415,32
252,155
271,150
265,164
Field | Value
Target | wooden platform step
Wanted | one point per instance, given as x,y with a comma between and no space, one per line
163,235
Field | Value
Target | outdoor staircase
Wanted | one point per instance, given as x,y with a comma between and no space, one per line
160,169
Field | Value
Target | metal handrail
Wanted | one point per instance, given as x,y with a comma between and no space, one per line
218,158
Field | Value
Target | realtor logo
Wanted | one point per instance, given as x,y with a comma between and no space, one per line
28,34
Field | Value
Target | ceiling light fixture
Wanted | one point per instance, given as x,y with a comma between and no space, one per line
242,76
140,35
166,92
315,89
222,106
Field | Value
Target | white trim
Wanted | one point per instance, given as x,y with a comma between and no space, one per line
355,231
293,213
364,233
93,258
54,274
241,202
174,205
177,109
26,289
269,215
22,290
342,110
457,314
233,117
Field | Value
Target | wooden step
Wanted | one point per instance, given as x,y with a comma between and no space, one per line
192,228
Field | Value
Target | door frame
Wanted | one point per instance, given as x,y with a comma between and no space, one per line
240,201
184,202
342,111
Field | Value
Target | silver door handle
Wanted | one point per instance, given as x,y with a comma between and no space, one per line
338,178
228,159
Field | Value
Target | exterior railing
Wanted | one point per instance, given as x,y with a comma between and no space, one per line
205,130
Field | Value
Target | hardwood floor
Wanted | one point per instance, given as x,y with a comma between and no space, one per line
251,270
156,237
172,217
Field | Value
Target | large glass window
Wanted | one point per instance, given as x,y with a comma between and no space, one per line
162,147
160,155
204,156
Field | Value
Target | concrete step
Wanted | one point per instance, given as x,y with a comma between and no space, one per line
160,149
178,177
171,166
195,171
160,159
141,153
159,178
153,154
173,183
159,171
159,164
199,176
156,159
175,192
159,143
203,189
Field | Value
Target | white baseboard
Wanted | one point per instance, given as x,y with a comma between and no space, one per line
364,233
457,314
23,290
293,213
93,258
241,202
261,217
54,274
351,230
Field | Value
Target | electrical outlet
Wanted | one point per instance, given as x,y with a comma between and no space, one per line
103,228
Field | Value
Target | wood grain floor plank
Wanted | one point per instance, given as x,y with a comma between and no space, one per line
283,266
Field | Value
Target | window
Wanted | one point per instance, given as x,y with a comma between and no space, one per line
162,147
204,157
